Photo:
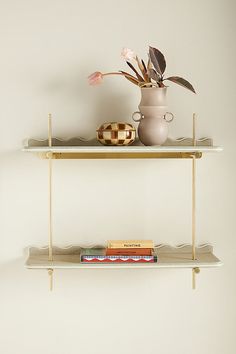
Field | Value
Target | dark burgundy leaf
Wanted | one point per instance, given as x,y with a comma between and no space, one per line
144,65
136,82
182,82
153,75
131,78
158,60
149,64
140,78
143,70
145,73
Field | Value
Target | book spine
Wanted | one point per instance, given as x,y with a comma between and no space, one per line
129,251
118,259
131,244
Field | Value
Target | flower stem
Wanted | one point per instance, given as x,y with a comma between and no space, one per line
116,73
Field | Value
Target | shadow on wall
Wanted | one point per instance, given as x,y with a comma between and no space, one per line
10,268
14,272
110,106
94,105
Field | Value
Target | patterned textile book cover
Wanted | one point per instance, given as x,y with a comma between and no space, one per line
98,255
130,244
129,251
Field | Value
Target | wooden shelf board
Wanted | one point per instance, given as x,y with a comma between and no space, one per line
168,257
79,148
122,149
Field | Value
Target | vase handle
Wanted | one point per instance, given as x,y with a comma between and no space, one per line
140,116
169,119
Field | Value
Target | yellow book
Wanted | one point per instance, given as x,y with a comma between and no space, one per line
130,244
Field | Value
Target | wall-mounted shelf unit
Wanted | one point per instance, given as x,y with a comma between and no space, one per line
184,256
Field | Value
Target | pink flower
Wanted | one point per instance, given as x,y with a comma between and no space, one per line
95,78
128,54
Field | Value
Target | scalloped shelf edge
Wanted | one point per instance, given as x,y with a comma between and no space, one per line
79,141
162,248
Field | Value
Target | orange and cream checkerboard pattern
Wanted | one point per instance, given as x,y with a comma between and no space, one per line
116,133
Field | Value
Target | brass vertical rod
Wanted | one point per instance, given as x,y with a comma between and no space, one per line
193,208
194,192
194,203
50,130
194,129
50,256
193,279
50,273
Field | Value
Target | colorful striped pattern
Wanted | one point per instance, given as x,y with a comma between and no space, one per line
118,259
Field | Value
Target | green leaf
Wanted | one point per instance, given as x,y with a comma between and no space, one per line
182,82
158,60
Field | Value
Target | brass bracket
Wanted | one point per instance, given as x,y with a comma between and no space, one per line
195,271
50,273
118,155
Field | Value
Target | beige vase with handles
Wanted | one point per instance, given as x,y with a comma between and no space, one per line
153,116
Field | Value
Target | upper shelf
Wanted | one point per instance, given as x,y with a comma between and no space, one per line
81,149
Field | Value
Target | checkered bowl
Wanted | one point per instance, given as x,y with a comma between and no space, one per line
116,133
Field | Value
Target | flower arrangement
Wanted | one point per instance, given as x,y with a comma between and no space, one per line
146,75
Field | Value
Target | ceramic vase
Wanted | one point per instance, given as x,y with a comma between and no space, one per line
153,116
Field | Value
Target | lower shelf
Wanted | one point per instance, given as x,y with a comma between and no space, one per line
168,257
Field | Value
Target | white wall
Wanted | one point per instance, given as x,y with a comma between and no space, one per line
48,48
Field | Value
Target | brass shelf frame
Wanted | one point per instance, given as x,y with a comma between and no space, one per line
51,154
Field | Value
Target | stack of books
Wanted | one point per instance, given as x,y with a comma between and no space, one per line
121,251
